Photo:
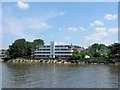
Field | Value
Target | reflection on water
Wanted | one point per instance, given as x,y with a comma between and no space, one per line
59,76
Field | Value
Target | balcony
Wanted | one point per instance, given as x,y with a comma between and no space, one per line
64,54
42,51
63,50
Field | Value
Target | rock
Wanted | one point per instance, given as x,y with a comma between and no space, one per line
59,62
66,63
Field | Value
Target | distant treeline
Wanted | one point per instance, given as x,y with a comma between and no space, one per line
23,48
98,50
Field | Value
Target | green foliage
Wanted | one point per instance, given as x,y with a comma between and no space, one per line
88,53
97,48
97,54
21,47
7,54
18,48
76,55
82,54
76,46
93,48
37,42
115,49
104,55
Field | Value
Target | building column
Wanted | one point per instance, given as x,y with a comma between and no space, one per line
52,49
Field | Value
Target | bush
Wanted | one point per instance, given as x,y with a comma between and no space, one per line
97,54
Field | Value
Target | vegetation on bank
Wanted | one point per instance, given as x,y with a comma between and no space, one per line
98,51
61,61
22,49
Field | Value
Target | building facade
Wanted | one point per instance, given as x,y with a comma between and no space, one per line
53,51
2,53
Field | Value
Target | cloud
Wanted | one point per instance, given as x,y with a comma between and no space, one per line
82,29
19,28
97,23
108,42
22,5
113,30
67,38
110,16
99,29
53,15
39,25
26,27
72,29
60,29
96,36
58,14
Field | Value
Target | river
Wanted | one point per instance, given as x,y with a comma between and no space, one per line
58,76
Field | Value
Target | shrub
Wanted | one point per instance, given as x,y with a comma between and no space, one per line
97,54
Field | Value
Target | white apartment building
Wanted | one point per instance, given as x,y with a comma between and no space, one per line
53,51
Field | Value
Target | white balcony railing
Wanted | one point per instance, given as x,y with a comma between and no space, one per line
64,54
63,50
41,54
42,51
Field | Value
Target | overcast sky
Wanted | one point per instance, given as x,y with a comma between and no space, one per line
63,22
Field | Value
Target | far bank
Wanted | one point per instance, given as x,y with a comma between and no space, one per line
114,61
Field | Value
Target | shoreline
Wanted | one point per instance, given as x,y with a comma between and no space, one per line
57,61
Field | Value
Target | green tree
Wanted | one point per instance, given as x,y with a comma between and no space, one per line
18,48
21,47
96,48
37,42
76,46
115,49
76,55
82,54
88,53
7,54
97,54
93,48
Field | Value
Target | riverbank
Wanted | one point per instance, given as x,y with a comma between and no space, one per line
1,60
59,61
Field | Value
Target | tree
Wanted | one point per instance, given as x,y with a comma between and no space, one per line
115,49
18,48
76,46
88,53
97,54
21,47
93,48
82,54
76,55
37,42
7,54
97,48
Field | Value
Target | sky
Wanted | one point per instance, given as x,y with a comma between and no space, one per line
79,23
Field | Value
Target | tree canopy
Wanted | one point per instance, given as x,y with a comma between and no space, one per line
96,47
21,47
114,49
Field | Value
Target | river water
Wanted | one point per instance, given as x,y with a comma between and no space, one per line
59,76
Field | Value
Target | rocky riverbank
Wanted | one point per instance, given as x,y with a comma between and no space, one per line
1,60
62,61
